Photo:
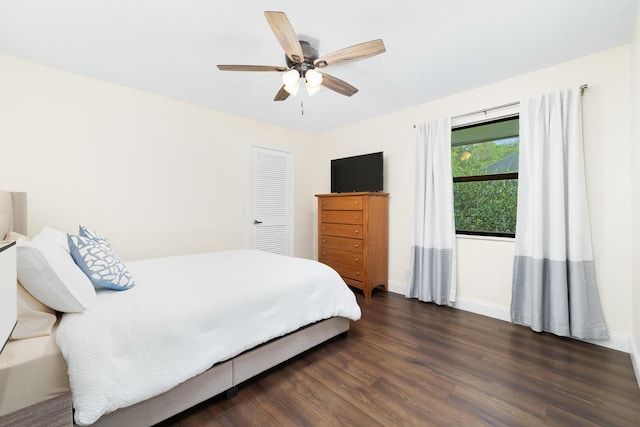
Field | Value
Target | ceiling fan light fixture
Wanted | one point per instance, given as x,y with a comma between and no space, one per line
292,89
314,78
312,90
290,78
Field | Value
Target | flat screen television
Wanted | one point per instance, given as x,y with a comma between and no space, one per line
357,173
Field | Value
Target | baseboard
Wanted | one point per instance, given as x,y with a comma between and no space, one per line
616,341
398,288
635,358
484,308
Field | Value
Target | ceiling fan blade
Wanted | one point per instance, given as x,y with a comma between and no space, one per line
351,53
281,95
285,34
337,85
251,68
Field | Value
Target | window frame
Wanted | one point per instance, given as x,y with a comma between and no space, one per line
488,177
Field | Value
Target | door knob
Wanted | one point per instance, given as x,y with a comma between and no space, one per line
255,221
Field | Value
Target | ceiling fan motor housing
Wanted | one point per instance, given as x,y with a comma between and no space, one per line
310,55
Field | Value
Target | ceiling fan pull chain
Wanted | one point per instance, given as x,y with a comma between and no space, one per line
301,108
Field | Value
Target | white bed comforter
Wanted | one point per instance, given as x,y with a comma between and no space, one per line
185,314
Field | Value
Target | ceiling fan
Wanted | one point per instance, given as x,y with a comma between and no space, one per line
302,61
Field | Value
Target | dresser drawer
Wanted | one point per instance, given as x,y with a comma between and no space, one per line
355,283
347,272
341,243
341,230
341,217
352,259
351,203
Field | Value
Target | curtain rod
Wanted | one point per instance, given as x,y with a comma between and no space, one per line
497,107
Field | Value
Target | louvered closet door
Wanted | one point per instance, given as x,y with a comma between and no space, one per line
272,200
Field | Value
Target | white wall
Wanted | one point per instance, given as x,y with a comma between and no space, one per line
485,266
155,175
635,154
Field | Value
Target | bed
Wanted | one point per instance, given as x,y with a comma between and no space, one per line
192,327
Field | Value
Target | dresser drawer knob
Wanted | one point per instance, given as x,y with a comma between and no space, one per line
324,240
324,216
357,217
324,253
357,203
324,203
357,273
357,231
357,246
357,260
324,228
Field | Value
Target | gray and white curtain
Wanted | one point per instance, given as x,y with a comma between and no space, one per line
433,269
554,283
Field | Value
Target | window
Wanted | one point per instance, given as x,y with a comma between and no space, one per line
484,162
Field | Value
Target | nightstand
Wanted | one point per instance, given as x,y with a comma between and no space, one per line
8,291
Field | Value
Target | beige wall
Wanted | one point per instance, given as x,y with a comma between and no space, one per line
485,266
635,154
155,175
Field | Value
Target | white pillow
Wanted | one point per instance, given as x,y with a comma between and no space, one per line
54,236
47,271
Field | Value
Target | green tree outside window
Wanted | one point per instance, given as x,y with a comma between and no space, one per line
484,162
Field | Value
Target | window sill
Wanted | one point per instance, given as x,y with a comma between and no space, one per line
492,238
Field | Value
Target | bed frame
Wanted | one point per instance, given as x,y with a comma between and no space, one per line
223,377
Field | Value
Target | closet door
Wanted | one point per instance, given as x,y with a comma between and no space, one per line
271,213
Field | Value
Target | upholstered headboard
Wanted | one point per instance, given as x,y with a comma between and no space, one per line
13,213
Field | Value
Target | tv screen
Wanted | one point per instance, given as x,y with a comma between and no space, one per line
357,173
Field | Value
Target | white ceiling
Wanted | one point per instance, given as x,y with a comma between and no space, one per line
434,47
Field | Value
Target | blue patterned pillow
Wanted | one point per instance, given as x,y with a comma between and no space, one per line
100,263
94,235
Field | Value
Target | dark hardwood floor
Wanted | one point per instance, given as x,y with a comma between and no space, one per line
407,363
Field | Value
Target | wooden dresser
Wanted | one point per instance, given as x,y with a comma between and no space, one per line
353,235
